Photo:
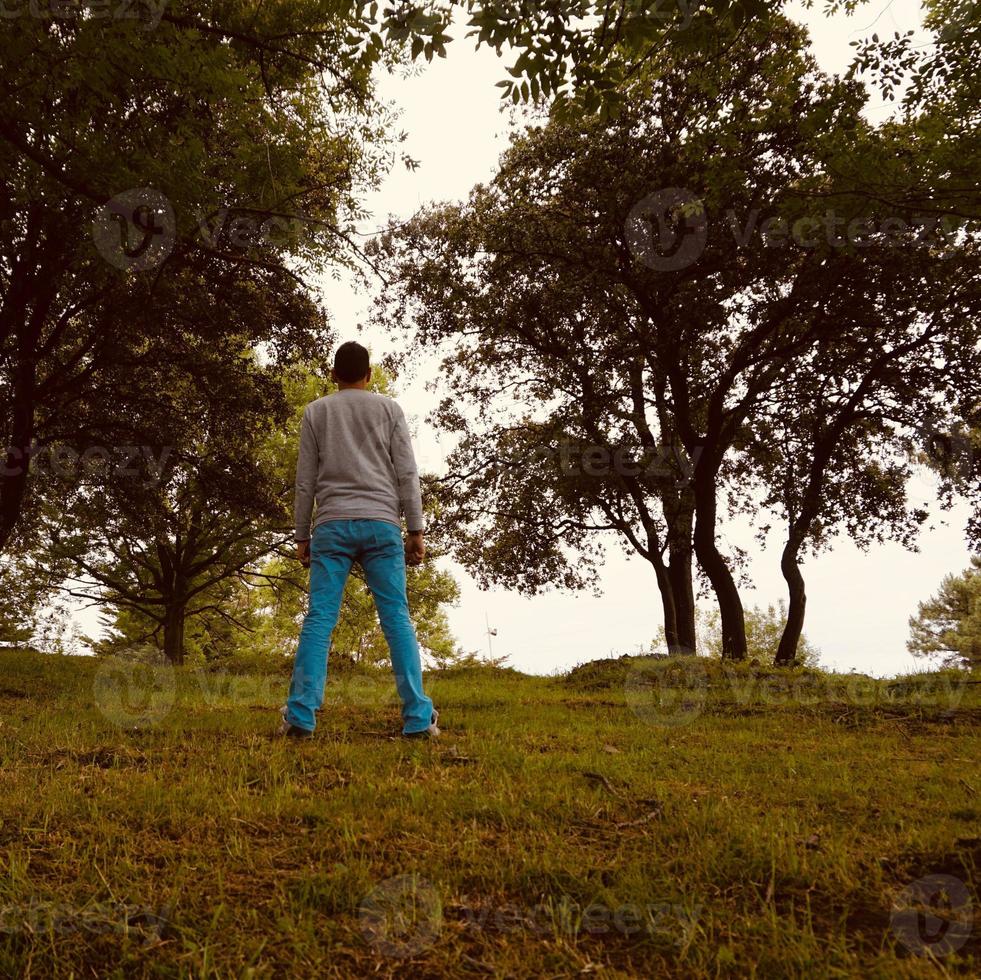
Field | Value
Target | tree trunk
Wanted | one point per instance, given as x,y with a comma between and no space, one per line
174,633
667,603
790,638
679,575
714,565
678,505
17,455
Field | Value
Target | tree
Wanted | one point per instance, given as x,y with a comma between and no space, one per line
573,328
949,623
253,620
938,83
581,54
181,157
765,629
20,607
836,447
161,544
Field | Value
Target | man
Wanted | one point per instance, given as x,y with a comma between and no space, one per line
356,463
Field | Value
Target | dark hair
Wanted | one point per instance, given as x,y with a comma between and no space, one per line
351,362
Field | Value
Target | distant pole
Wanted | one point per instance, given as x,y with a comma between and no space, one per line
490,633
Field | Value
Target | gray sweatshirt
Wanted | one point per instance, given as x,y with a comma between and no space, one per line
356,462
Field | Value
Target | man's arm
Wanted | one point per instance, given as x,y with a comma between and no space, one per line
407,473
307,465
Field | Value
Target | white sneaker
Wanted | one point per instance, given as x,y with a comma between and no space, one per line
431,732
286,730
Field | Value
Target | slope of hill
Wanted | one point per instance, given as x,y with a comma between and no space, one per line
639,818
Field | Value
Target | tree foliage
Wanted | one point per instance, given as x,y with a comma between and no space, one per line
672,286
164,185
948,624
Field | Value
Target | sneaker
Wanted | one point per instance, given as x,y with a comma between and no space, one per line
431,732
293,731
286,730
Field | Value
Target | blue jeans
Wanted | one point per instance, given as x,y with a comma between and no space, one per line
377,547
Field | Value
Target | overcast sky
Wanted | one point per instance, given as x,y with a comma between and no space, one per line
858,603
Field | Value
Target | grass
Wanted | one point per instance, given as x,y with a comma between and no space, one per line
630,819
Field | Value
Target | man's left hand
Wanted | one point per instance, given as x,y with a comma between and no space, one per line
303,553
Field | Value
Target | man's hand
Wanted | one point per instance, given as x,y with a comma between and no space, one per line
303,553
415,548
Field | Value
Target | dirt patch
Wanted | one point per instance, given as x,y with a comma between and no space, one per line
102,757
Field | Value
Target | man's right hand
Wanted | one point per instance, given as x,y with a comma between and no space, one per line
415,548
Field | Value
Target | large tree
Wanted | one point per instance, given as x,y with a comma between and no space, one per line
836,447
568,323
154,161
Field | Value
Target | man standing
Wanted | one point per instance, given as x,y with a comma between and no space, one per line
356,463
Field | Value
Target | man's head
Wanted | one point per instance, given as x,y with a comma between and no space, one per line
352,369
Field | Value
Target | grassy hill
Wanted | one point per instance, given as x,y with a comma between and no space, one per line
635,818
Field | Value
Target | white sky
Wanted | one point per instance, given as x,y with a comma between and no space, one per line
858,603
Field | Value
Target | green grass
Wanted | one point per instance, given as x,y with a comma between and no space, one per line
626,820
